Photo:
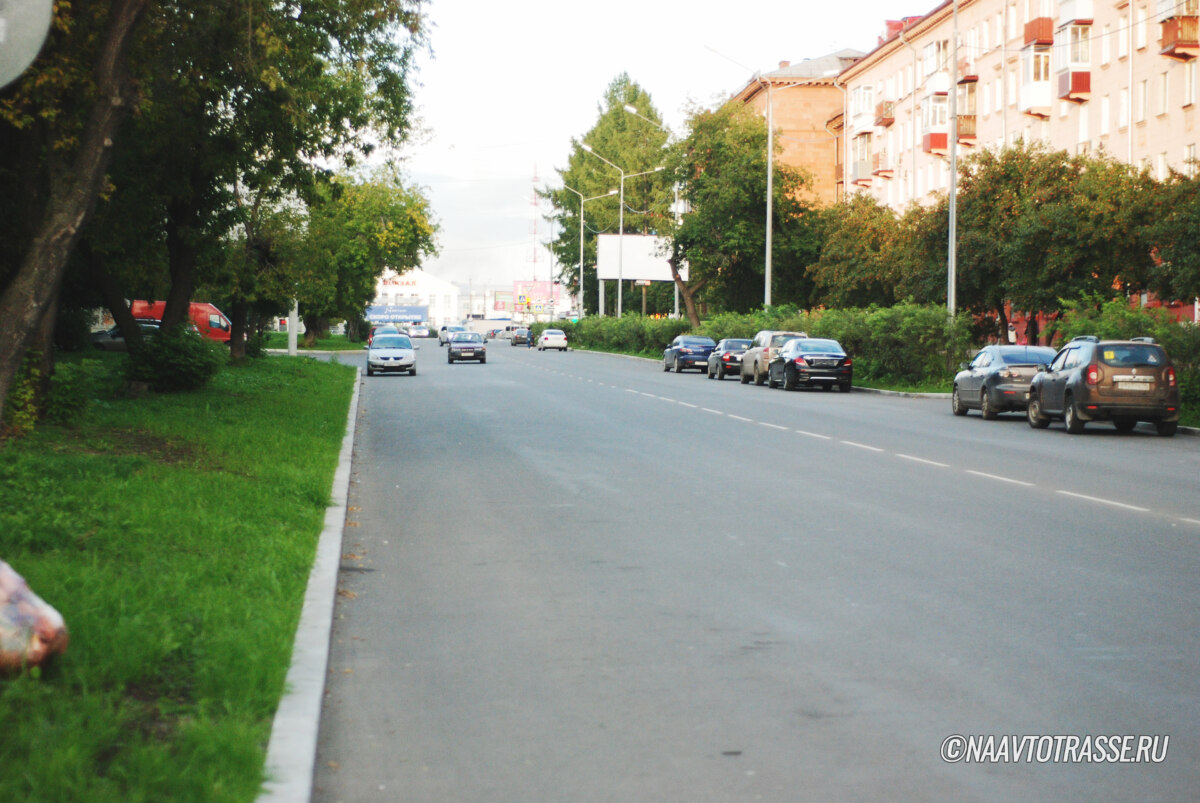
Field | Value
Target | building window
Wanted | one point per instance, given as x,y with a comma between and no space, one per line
1163,169
1123,108
934,112
1143,101
983,38
1105,112
937,56
1139,30
1037,64
1189,160
1163,94
1079,45
1012,21
1189,83
1105,47
1122,38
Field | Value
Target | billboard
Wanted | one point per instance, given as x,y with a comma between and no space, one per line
644,258
534,296
397,314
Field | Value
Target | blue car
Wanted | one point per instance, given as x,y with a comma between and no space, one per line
688,351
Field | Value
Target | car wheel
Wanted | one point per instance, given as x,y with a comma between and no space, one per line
369,371
1124,424
1071,418
759,378
956,404
789,381
985,406
678,370
1166,428
1034,413
720,371
844,387
449,359
745,377
771,383
412,371
482,360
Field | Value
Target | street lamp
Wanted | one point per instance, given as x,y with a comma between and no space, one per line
583,201
621,221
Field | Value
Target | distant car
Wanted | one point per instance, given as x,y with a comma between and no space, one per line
765,348
492,333
552,339
997,379
466,346
382,329
726,358
388,352
445,333
811,362
519,337
420,330
1122,381
111,339
688,351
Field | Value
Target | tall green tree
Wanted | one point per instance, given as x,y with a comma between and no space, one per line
857,265
1173,232
636,145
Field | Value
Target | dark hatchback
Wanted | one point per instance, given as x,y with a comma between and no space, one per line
811,362
688,351
997,379
466,346
1122,381
726,358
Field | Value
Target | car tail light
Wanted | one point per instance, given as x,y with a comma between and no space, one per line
848,362
799,361
1093,374
725,357
1170,377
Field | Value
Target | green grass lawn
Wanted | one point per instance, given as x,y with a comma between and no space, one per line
175,534
278,340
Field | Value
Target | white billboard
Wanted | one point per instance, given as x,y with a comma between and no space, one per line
644,258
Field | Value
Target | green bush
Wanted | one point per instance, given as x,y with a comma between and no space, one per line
176,359
71,391
20,409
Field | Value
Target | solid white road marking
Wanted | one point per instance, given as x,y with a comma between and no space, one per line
773,426
923,460
685,404
863,446
711,410
739,418
813,434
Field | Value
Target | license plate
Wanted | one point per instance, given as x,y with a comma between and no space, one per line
467,353
1134,386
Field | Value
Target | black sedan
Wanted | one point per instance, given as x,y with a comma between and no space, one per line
726,358
466,346
997,379
812,362
688,351
113,340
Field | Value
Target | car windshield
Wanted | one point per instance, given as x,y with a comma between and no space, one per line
737,345
814,344
1031,355
391,342
468,337
1130,354
696,342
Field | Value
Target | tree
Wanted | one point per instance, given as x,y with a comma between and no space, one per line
721,169
637,147
1171,231
355,231
857,266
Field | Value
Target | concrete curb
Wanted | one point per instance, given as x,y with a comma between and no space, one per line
292,752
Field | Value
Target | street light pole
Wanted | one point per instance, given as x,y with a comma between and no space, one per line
583,201
621,221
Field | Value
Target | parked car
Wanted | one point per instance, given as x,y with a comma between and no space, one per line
209,320
688,351
445,333
519,337
465,345
112,339
1122,381
765,348
812,362
726,358
420,330
552,339
997,379
391,352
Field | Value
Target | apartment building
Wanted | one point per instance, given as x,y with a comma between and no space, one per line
805,102
1079,75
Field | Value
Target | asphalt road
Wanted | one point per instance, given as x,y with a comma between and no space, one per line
573,577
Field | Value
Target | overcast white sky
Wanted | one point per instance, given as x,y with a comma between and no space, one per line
510,83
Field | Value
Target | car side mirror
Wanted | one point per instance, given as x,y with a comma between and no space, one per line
1043,368
962,366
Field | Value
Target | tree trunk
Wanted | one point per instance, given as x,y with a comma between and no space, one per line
688,293
182,254
72,198
315,328
113,297
238,315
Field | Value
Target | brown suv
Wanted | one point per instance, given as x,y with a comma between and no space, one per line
1122,381
765,348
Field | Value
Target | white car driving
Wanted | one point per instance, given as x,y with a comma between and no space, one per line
552,339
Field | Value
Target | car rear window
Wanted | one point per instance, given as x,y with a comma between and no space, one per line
467,337
1029,356
737,345
1132,354
812,344
696,341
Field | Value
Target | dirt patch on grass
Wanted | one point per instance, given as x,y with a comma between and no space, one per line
140,442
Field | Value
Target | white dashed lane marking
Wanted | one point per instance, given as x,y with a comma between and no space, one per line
1001,479
922,460
863,446
1098,500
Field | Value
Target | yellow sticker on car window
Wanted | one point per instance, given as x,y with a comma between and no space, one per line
1110,355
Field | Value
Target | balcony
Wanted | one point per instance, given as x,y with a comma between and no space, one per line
936,143
1075,12
1179,38
1035,99
885,113
881,165
1074,85
967,71
860,172
1039,31
966,129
